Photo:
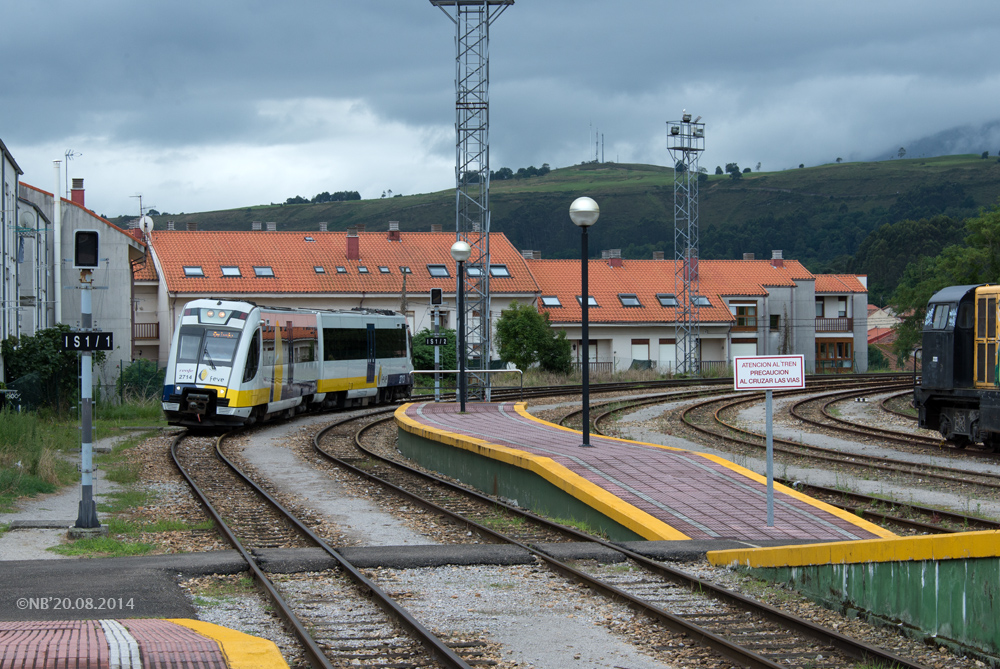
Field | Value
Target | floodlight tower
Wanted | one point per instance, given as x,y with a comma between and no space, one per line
685,142
472,19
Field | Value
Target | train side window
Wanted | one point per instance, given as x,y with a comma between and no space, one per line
966,316
253,358
941,312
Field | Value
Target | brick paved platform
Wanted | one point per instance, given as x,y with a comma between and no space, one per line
661,492
132,643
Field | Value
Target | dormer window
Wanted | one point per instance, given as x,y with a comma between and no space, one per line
666,300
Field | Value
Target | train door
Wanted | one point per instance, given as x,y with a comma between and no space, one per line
986,337
370,372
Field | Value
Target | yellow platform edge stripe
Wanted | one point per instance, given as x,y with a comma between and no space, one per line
742,471
242,651
961,545
645,525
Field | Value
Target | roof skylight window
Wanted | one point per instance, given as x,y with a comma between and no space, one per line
629,300
404,269
362,269
550,301
341,269
591,302
438,271
700,301
193,270
500,271
230,270
471,270
666,300
319,269
263,271
383,269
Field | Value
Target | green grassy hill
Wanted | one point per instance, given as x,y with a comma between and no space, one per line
819,215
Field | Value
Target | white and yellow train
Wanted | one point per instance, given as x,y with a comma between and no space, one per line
235,363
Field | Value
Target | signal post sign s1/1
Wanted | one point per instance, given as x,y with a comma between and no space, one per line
767,373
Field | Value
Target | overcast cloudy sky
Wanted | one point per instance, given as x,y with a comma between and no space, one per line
213,105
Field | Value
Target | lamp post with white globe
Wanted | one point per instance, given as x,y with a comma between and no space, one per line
461,251
584,212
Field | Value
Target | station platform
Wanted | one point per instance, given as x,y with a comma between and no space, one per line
656,492
132,643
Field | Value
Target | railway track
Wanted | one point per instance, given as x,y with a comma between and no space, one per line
746,632
363,625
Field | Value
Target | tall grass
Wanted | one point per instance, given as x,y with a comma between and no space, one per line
30,461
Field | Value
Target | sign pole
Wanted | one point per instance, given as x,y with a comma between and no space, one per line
87,516
770,461
437,356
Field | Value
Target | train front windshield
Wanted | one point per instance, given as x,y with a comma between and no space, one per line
210,346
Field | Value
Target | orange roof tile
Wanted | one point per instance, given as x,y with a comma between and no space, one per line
145,271
293,257
647,278
839,283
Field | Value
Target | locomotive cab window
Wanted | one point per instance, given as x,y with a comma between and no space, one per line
941,312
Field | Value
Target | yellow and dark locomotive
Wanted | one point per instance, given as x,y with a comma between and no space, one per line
235,363
959,392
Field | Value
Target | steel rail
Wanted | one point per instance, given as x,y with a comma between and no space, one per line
435,646
733,651
314,654
802,450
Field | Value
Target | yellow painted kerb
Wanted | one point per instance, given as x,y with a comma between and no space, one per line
645,525
861,523
958,546
242,651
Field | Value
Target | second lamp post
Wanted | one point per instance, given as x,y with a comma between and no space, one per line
584,212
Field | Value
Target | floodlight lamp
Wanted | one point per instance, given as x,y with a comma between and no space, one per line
675,130
686,117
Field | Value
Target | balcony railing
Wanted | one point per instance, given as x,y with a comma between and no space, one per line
834,324
146,331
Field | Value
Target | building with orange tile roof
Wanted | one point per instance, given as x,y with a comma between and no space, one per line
324,270
747,307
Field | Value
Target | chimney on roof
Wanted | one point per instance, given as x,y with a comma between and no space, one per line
322,226
272,226
657,255
614,257
435,227
361,227
353,246
192,226
776,259
531,255
76,193
170,225
748,256
255,226
691,263
394,231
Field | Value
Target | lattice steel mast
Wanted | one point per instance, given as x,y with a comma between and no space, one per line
472,19
685,142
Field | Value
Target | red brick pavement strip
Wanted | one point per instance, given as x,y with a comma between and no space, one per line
699,497
53,644
166,645
82,643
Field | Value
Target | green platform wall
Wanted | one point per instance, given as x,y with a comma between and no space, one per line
525,488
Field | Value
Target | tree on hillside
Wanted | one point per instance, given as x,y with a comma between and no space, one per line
524,338
840,160
718,169
975,261
902,152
